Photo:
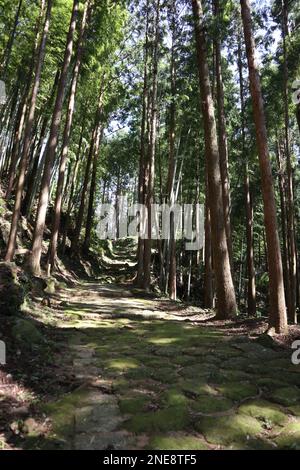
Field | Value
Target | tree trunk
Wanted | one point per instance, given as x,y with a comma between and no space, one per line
141,195
208,262
27,138
65,145
223,144
71,194
292,316
35,257
149,172
285,250
226,300
251,288
95,136
90,214
172,278
16,145
32,177
278,317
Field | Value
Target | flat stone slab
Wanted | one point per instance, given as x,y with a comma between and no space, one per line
102,441
92,419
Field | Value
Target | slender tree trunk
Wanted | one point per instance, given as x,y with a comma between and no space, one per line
292,317
251,287
226,300
285,250
33,177
223,144
172,288
27,139
16,146
251,296
35,257
149,196
208,262
72,190
278,316
141,195
95,136
90,214
65,145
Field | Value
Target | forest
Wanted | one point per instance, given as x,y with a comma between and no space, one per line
149,225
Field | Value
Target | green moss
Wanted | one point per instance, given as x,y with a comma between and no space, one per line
289,438
140,373
197,388
62,413
25,332
134,404
265,411
177,442
211,404
238,390
165,375
169,419
174,397
286,395
198,370
122,364
269,383
229,429
295,410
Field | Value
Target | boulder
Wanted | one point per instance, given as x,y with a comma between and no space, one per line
12,293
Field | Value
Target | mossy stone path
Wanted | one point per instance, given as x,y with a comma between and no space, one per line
152,379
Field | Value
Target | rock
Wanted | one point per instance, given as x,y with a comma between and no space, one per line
235,429
26,333
32,427
12,293
178,441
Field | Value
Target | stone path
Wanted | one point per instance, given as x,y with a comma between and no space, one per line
161,379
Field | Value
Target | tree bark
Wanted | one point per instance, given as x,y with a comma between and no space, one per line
226,300
278,316
172,277
150,165
251,287
223,144
65,145
27,138
95,136
35,258
292,316
141,195
90,214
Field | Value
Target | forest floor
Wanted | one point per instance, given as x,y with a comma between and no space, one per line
121,370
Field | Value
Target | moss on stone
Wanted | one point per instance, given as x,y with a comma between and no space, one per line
134,404
229,429
165,375
174,397
177,442
238,390
211,404
122,364
286,396
295,410
62,412
25,332
169,419
265,411
289,438
197,387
